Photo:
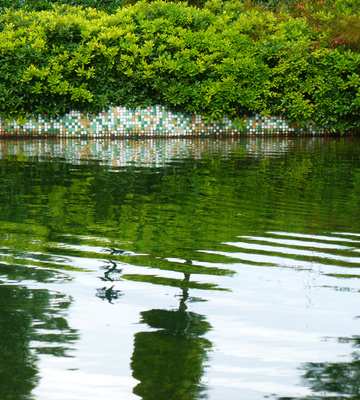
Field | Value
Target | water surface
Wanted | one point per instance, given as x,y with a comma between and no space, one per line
180,269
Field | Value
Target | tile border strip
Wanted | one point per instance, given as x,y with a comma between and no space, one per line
152,121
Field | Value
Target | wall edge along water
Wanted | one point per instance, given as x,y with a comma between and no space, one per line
150,122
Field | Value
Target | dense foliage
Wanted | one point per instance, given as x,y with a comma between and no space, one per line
40,5
226,58
110,6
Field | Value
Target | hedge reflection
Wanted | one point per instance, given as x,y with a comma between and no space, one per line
32,322
335,380
178,203
169,362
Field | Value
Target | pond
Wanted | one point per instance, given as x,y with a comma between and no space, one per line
180,268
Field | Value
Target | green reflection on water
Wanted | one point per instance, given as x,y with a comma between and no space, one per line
333,380
182,206
169,362
23,312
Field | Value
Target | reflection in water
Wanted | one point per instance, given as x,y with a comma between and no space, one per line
139,152
169,362
32,322
18,373
109,294
111,274
279,215
332,380
335,380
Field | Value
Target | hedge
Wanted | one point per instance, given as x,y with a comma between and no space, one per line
223,59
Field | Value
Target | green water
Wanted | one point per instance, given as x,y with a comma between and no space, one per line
180,269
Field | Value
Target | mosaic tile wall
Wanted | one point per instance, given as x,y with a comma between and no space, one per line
154,121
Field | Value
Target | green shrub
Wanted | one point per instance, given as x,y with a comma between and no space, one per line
109,6
224,59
